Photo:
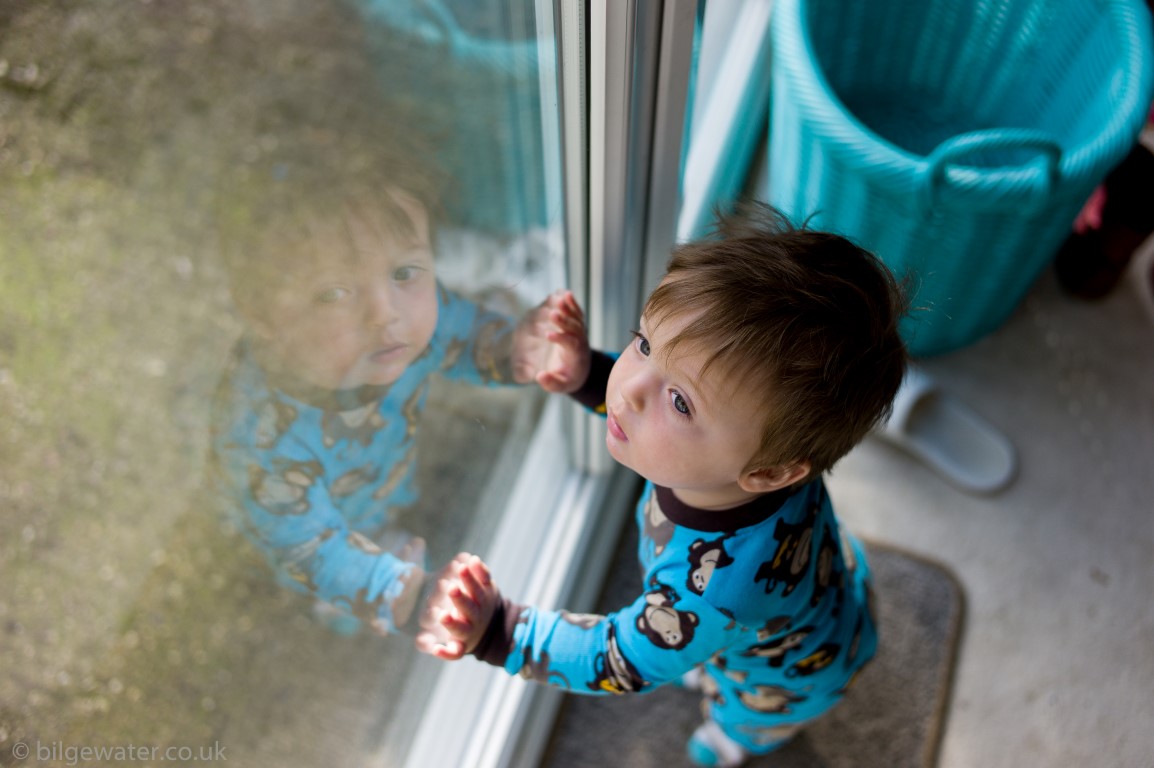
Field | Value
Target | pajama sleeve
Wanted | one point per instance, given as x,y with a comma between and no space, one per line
285,506
652,641
475,345
592,392
666,631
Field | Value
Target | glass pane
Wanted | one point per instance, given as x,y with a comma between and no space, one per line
728,115
259,268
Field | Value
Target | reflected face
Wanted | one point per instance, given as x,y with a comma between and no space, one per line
365,306
673,426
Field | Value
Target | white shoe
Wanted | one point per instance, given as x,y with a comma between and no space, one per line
691,680
947,436
709,746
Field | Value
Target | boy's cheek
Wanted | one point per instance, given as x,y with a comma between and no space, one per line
425,314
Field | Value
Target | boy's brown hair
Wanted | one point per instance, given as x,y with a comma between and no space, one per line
808,318
313,140
267,206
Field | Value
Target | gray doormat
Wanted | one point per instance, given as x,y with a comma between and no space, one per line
892,719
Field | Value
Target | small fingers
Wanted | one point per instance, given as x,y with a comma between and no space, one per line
550,382
453,650
461,557
459,628
479,571
474,578
523,373
413,550
425,642
465,599
567,322
450,650
471,584
432,645
568,302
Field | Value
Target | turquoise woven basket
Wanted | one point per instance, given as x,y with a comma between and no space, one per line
956,139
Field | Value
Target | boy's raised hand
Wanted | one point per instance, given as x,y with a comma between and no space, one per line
459,610
551,345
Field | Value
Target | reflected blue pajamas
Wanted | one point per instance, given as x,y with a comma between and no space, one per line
770,598
312,475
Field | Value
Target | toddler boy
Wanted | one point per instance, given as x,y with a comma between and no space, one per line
765,354
331,265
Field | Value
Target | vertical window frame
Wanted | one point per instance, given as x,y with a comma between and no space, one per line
623,83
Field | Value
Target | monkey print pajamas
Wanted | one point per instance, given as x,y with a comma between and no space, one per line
771,599
311,475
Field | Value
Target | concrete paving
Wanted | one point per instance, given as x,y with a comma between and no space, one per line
1056,666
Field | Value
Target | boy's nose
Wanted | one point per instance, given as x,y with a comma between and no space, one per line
381,309
633,391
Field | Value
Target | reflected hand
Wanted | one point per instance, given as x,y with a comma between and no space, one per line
432,636
474,598
410,549
459,610
551,345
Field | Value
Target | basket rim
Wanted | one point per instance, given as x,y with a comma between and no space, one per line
794,59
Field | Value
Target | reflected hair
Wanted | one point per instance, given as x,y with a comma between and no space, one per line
268,203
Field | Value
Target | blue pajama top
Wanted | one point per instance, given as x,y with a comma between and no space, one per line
311,475
772,587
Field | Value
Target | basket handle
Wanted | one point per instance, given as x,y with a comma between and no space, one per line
954,150
439,17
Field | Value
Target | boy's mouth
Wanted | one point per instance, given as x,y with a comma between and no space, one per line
388,353
615,426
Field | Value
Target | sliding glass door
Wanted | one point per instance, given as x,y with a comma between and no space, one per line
209,496
219,446
623,83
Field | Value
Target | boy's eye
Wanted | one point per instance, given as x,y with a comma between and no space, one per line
404,274
679,403
331,295
642,343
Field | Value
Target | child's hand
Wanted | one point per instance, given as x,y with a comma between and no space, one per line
410,550
432,637
459,610
474,599
551,345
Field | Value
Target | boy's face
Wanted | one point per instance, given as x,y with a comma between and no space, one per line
692,433
365,306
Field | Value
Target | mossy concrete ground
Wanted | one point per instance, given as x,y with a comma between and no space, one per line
128,614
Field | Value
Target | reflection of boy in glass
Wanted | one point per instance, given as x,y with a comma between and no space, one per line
763,356
331,266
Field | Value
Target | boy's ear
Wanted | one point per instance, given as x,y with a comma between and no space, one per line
767,479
